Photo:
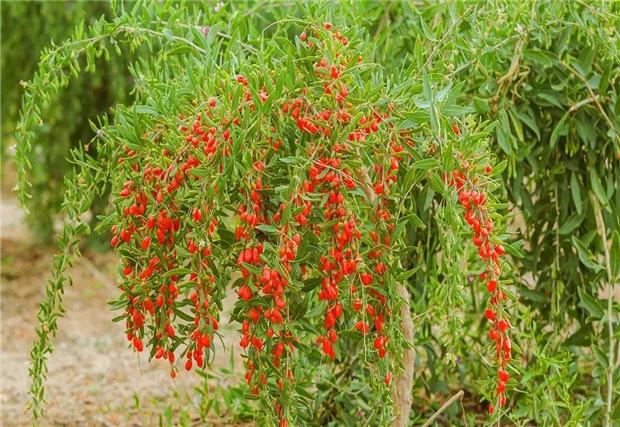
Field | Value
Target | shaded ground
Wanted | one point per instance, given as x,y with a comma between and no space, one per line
94,378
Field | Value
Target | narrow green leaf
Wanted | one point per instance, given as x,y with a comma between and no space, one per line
614,253
513,249
499,168
181,314
502,133
289,160
575,190
457,110
533,295
561,129
592,305
426,164
428,94
585,256
571,223
597,186
312,283
406,275
267,228
177,272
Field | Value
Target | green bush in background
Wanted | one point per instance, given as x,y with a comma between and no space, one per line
548,74
28,28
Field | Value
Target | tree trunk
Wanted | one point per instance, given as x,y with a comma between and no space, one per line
403,384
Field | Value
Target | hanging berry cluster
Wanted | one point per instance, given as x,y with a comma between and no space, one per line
469,183
281,183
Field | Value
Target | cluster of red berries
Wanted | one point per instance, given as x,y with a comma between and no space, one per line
473,199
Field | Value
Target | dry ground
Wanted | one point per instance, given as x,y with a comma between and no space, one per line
94,378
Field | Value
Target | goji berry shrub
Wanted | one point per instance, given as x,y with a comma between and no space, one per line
279,176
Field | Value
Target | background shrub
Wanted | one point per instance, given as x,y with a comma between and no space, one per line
27,29
546,73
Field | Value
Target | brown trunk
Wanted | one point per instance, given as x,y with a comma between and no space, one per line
403,384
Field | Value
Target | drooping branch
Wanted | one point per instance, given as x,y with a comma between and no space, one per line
79,196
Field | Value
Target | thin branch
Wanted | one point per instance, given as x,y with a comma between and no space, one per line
580,104
594,97
457,396
445,37
610,289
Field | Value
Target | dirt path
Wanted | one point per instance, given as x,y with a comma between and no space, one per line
94,378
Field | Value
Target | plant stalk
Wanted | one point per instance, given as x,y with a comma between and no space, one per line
610,293
445,406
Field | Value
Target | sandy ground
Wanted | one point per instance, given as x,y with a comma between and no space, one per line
94,378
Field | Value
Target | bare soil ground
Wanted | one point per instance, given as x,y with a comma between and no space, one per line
95,379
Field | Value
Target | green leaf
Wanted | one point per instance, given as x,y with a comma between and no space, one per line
571,223
481,105
585,256
181,314
412,219
168,34
601,357
267,228
436,183
428,94
499,168
528,118
614,253
539,57
227,237
580,338
177,272
597,187
252,268
290,160
408,179
561,129
415,221
502,133
590,304
457,110
406,275
516,124
413,119
552,98
147,109
575,190
426,164
513,249
312,283
533,295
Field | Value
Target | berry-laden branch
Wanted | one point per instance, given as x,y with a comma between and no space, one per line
469,182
